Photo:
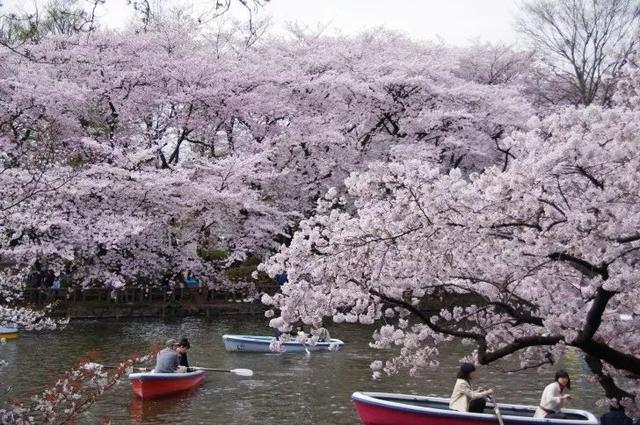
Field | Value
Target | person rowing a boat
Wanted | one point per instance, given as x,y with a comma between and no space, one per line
553,397
168,359
465,399
323,334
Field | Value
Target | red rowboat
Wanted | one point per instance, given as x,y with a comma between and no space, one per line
151,385
402,409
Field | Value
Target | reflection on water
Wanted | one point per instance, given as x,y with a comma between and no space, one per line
152,411
285,388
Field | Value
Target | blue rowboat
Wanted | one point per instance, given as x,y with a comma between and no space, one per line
8,333
404,409
262,344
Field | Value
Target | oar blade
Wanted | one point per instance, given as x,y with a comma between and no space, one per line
242,372
239,372
496,409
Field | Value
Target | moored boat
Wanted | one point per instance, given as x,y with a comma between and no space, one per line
152,385
403,409
262,344
8,333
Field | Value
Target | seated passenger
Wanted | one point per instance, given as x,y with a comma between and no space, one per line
463,398
182,348
615,416
553,397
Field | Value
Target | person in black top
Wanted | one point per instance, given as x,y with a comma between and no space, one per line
49,277
615,416
181,348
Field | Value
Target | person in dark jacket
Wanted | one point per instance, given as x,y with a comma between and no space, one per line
615,416
282,278
35,279
49,277
181,348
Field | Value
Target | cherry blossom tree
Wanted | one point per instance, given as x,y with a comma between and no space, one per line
410,176
126,156
94,179
133,142
345,110
545,253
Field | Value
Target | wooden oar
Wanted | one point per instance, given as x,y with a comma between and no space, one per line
496,409
139,369
239,372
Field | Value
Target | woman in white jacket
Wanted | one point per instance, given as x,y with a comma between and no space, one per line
463,398
554,397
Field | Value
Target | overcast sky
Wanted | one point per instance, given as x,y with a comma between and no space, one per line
457,22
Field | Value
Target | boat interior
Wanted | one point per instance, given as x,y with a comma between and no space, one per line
505,411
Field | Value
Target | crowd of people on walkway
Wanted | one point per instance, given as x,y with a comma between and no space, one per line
44,277
44,283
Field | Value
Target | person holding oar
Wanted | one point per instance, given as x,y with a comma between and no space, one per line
173,358
168,359
464,398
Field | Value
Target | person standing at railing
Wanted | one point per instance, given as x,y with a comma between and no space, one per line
177,285
191,280
49,277
35,279
56,282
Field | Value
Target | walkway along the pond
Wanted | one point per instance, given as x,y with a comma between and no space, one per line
93,303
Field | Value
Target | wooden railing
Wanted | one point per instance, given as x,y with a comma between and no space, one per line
137,295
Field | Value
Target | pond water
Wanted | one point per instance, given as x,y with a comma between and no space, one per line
285,388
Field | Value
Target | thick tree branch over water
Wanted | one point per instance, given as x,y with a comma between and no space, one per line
538,259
